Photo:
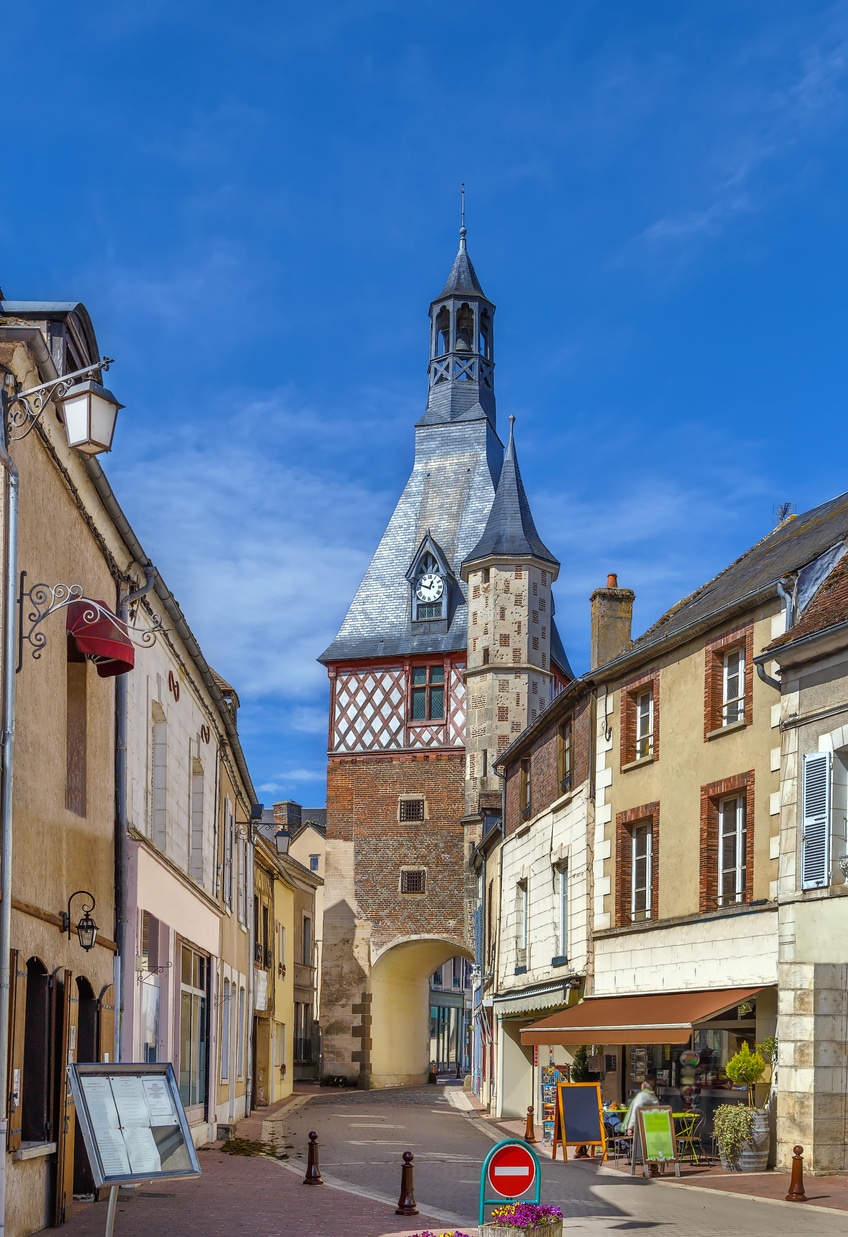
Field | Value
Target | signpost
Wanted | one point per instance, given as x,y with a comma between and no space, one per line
510,1169
133,1125
658,1138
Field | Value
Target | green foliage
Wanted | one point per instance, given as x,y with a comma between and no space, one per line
768,1049
745,1068
580,1068
732,1125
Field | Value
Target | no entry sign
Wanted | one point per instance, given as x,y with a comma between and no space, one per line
512,1170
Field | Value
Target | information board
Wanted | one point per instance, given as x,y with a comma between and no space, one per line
133,1122
551,1076
579,1117
657,1136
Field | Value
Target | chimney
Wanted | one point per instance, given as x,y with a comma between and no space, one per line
612,615
288,813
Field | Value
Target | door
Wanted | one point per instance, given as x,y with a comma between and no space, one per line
106,1024
67,1006
17,1035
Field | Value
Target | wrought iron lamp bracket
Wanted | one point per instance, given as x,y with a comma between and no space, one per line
47,599
25,408
153,970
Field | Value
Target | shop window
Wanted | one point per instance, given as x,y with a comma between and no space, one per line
637,865
565,755
428,693
727,842
194,1028
37,1123
76,717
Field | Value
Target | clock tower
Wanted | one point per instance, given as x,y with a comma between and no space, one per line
403,807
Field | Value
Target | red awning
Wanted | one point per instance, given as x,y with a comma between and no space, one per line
101,636
656,1018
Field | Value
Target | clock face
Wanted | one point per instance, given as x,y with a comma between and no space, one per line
430,587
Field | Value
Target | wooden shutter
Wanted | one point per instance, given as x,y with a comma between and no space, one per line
106,1024
67,1003
815,821
17,1037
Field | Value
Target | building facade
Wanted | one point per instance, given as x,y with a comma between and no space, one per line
447,644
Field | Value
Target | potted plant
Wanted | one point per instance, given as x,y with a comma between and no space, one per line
742,1132
524,1220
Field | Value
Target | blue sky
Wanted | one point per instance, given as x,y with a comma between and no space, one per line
257,202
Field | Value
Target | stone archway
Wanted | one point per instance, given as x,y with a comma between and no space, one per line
400,1007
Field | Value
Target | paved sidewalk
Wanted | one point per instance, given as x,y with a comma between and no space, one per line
241,1195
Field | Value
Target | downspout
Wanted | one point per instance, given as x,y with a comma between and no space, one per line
249,1019
9,602
121,817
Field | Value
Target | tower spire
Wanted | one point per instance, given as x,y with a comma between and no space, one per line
462,231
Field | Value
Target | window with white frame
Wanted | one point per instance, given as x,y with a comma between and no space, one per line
240,1035
196,855
225,1032
733,686
644,725
245,873
641,871
732,848
522,908
229,848
561,888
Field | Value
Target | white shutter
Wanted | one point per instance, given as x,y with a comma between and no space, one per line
815,827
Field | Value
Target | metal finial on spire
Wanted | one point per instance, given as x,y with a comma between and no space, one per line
462,232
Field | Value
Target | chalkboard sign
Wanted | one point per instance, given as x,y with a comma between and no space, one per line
579,1118
133,1122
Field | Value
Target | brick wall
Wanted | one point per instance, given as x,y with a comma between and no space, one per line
362,807
543,753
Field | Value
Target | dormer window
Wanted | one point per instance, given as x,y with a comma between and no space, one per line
429,589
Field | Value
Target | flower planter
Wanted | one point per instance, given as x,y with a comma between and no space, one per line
540,1230
754,1152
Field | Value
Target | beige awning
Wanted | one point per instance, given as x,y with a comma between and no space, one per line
655,1018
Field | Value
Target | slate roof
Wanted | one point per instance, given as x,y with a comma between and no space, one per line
462,277
510,530
755,574
827,609
449,492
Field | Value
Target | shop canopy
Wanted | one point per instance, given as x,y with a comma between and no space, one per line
655,1018
101,636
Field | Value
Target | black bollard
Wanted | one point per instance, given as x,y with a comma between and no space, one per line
796,1181
313,1171
406,1203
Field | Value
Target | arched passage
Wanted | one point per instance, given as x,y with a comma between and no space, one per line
400,1007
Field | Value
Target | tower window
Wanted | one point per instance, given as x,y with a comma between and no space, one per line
465,329
484,346
428,693
443,331
411,809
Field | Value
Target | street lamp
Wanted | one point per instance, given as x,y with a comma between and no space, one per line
86,928
281,840
88,410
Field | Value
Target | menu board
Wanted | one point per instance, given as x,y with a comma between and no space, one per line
133,1122
658,1136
